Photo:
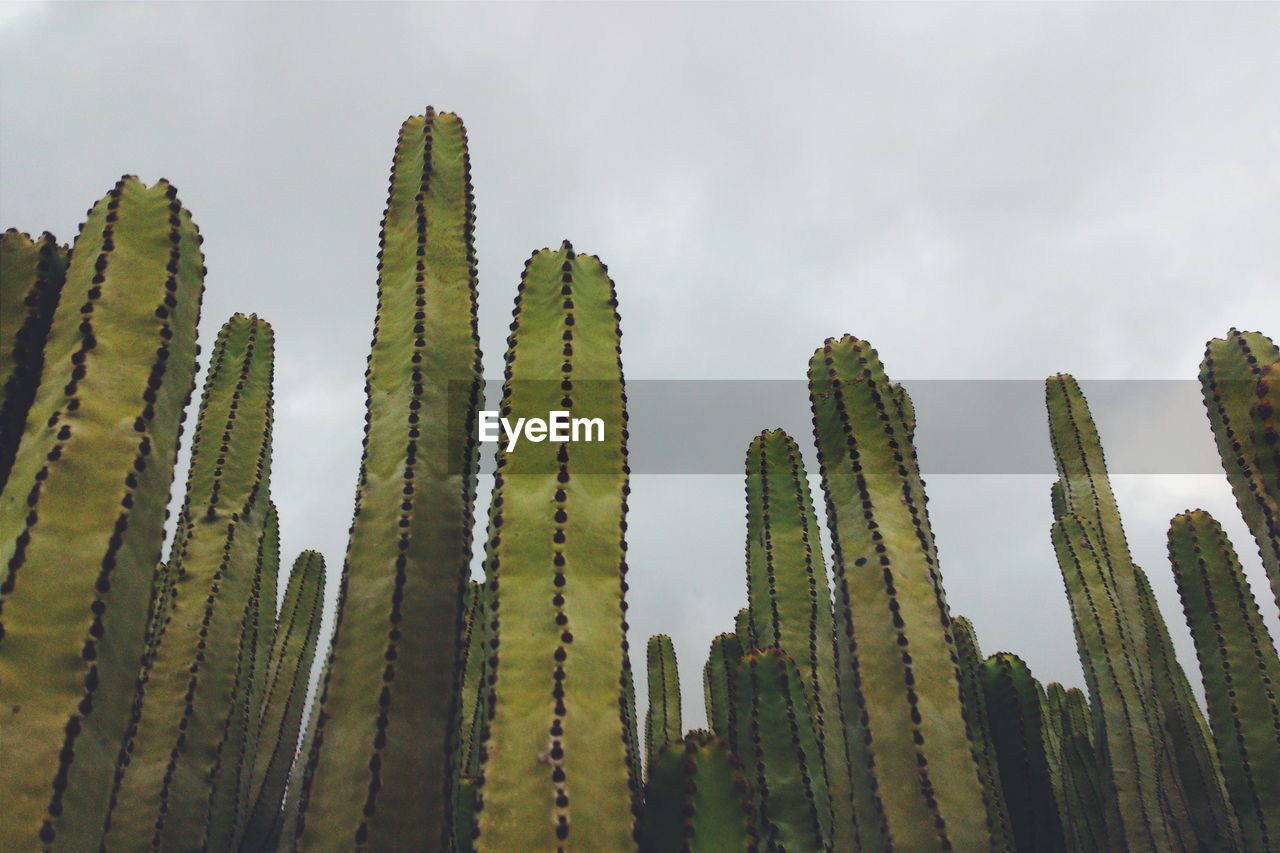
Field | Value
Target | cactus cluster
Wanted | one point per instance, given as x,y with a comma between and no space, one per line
155,703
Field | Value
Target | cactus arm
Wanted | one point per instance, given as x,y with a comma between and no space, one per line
1240,668
285,693
895,617
81,518
1013,702
663,722
557,768
1073,769
31,277
699,800
1240,380
721,681
976,718
742,626
397,646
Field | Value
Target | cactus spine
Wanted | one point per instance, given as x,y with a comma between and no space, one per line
180,785
284,694
81,519
557,763
31,276
698,799
899,672
1240,669
791,601
1240,378
662,723
397,641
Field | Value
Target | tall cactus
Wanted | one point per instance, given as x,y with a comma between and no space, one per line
698,800
1240,378
1240,669
720,686
81,520
791,600
284,695
31,276
388,729
662,723
1073,768
181,780
557,763
1013,699
903,713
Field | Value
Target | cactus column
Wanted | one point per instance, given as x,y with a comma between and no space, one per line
387,733
662,722
81,520
557,758
904,716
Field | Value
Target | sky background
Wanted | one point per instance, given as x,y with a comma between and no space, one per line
983,191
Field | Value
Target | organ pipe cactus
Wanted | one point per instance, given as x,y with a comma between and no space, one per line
742,626
973,693
81,519
899,679
1013,699
557,760
662,723
397,643
791,601
779,746
1240,378
1073,769
720,686
31,276
284,695
698,799
180,785
1240,669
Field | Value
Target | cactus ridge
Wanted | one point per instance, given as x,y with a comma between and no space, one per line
407,570
1240,669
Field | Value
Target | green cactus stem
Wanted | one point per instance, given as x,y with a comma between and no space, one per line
903,713
1240,378
187,741
81,519
1073,769
719,677
31,276
284,696
698,799
791,601
388,729
742,625
975,704
779,747
662,722
1013,700
557,767
1240,668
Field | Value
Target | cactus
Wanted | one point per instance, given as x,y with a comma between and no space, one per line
1240,668
397,643
905,722
779,746
474,685
698,799
31,276
791,601
720,684
662,724
742,626
81,517
1073,769
285,693
181,785
297,786
557,763
1240,378
975,705
1013,700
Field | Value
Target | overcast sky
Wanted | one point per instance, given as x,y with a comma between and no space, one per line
982,191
